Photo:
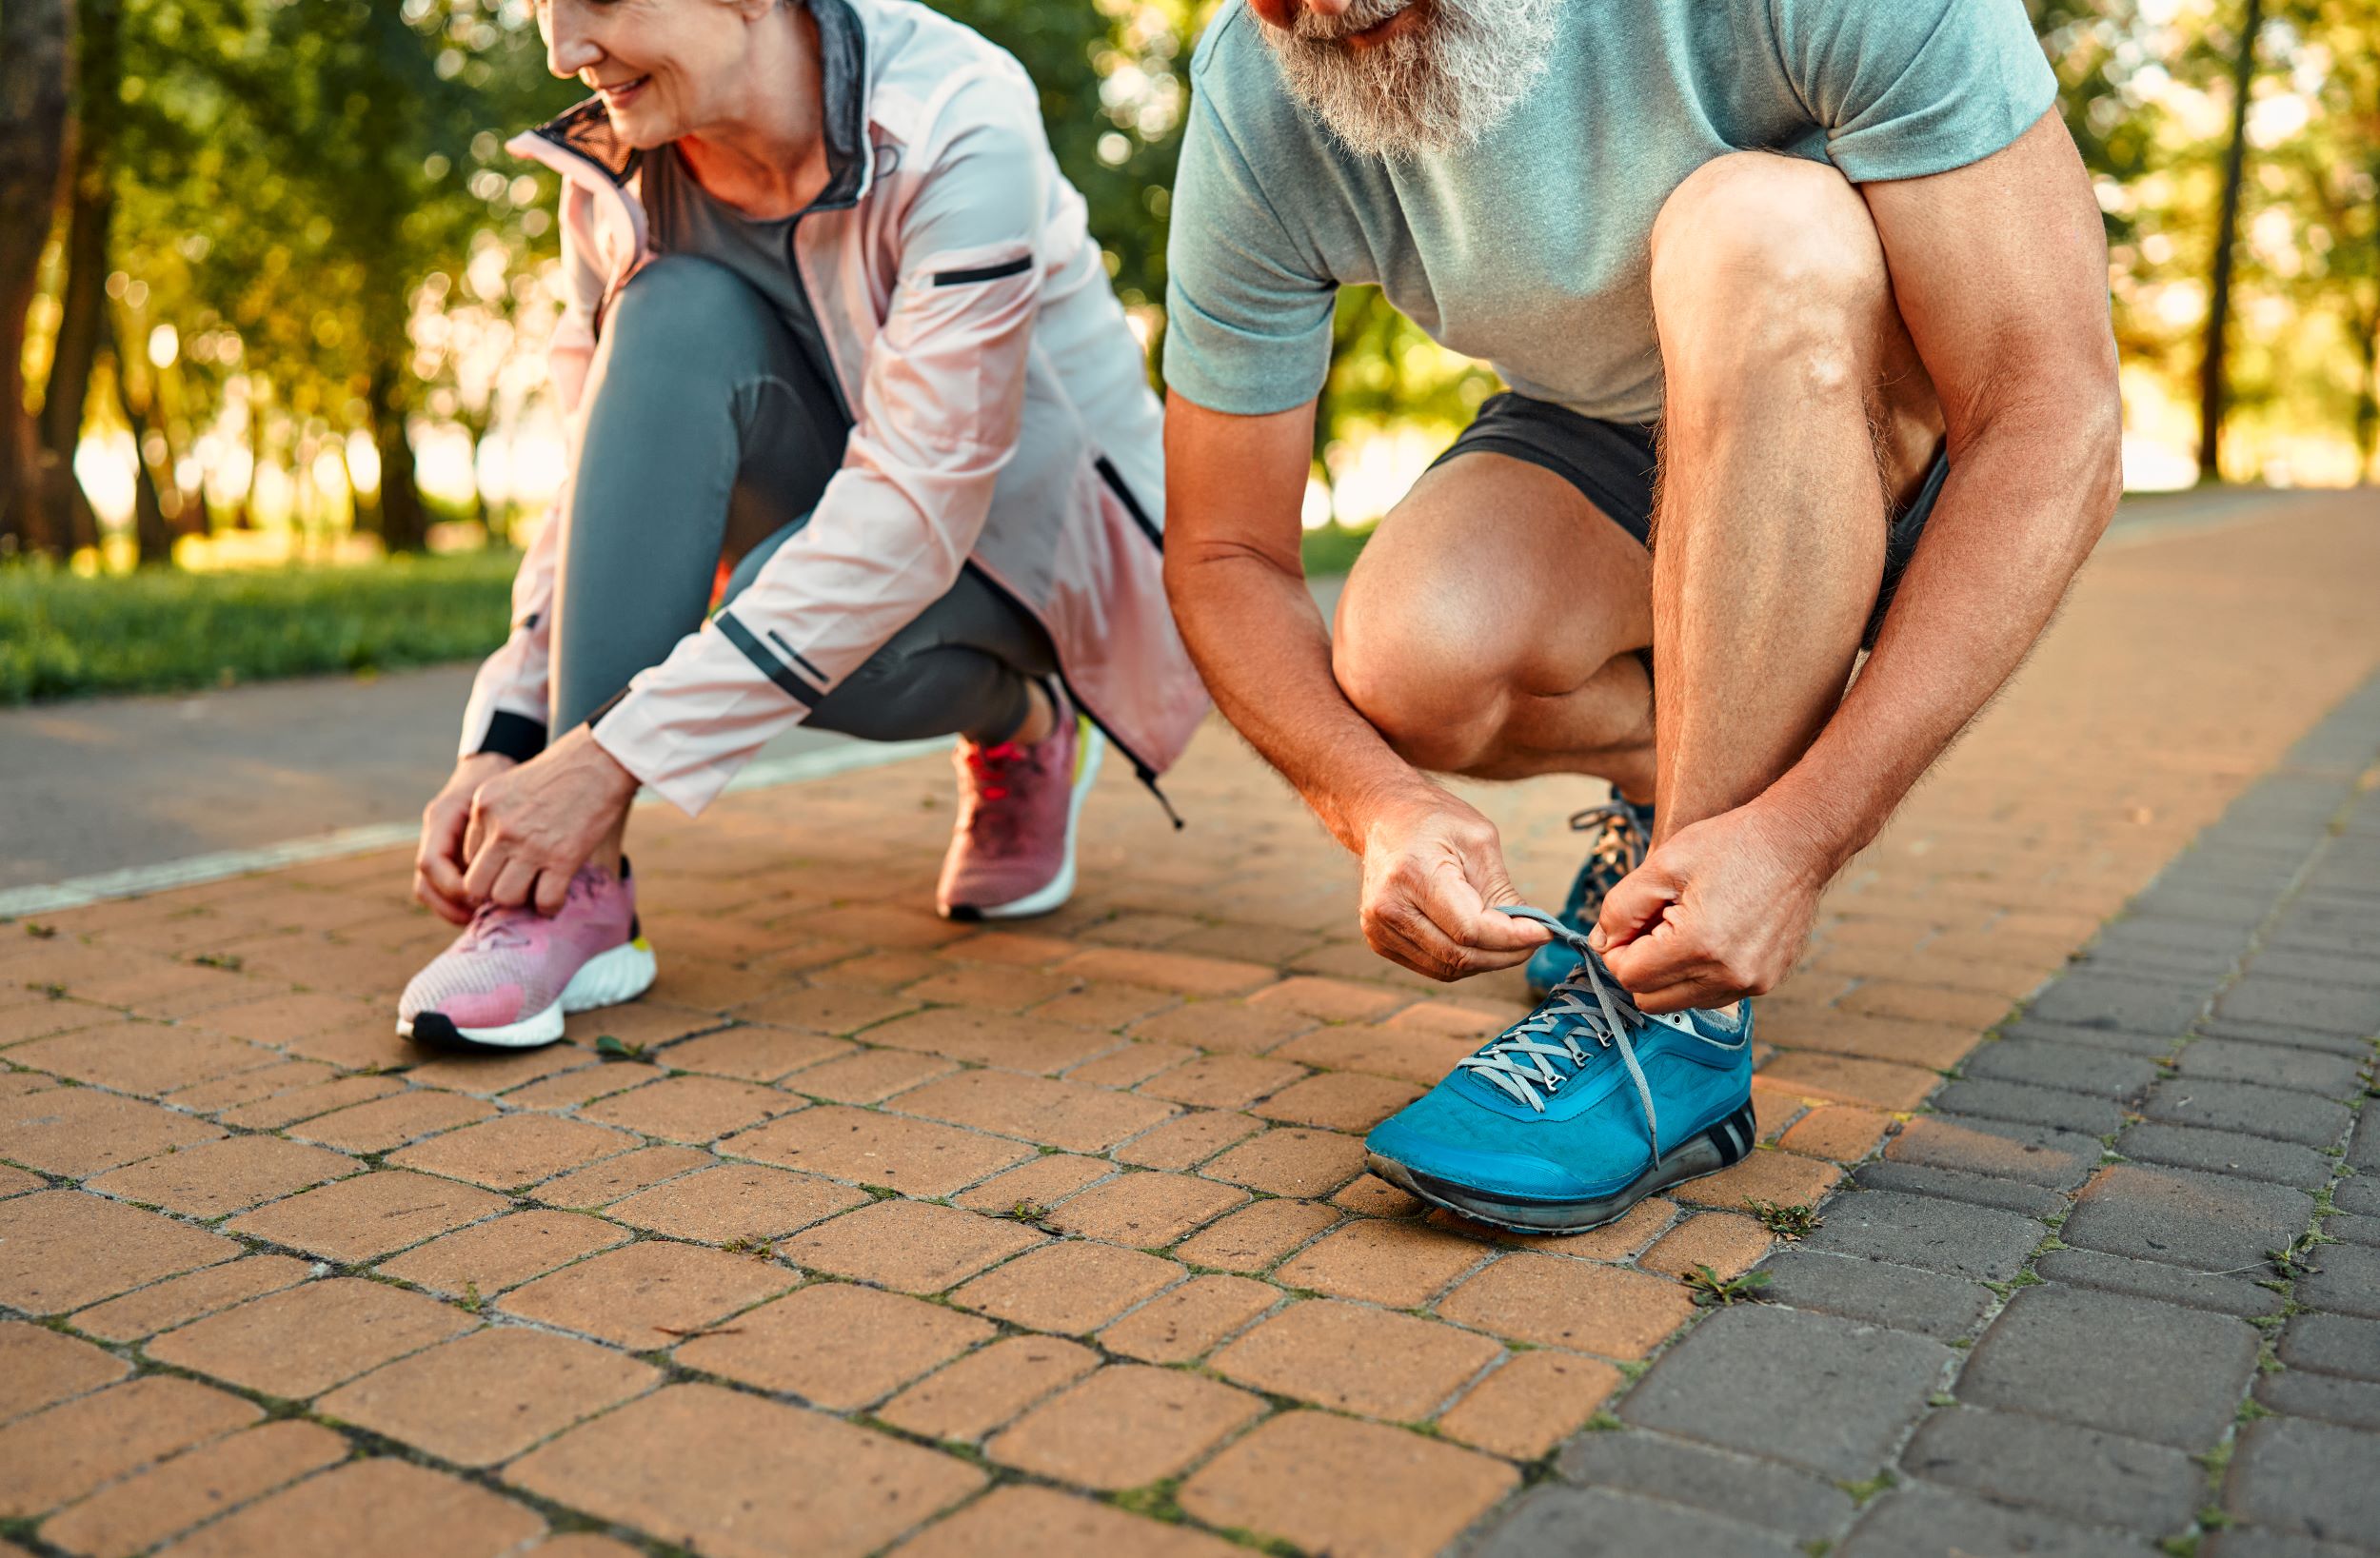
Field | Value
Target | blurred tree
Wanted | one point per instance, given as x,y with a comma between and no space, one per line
86,262
2213,393
293,175
1112,101
2333,190
33,76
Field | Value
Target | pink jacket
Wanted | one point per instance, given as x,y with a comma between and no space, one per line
1002,416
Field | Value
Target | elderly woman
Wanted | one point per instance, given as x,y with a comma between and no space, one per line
835,332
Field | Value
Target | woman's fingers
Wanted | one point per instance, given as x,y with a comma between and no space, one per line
514,883
450,910
487,862
552,892
439,863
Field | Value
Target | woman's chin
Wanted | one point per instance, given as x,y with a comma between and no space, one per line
635,126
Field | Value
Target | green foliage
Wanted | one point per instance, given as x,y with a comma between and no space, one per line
1861,1492
1112,100
1787,1222
1332,549
290,179
62,635
1712,1290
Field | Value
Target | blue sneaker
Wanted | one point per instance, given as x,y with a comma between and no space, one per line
1539,1130
1624,832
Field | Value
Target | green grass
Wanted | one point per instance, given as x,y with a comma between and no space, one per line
65,636
1331,550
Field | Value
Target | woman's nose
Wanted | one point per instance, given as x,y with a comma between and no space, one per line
568,49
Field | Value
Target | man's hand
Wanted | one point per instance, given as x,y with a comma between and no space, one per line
1720,911
438,862
1434,877
533,827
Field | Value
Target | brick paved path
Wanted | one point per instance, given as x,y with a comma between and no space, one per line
881,1231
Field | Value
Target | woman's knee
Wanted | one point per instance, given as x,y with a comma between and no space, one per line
684,315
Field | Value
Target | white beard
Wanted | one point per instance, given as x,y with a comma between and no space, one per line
1439,87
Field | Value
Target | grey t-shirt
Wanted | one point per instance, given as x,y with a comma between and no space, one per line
1530,248
688,219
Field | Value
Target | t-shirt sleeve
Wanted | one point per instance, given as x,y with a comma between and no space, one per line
1908,88
1247,315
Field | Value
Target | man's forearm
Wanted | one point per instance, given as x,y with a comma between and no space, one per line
1263,647
2024,503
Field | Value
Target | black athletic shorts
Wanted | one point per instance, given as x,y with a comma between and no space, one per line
1612,464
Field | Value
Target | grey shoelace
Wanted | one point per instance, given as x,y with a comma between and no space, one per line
1525,1059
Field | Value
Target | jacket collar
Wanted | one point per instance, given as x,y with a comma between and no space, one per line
584,131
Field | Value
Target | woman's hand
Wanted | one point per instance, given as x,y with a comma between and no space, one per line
533,827
438,863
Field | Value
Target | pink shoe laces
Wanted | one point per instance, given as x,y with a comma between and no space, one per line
494,926
992,772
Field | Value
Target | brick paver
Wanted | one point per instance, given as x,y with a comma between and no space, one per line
895,1234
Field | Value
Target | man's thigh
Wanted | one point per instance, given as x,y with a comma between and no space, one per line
1493,567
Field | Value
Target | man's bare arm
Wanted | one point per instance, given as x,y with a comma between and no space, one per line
1234,489
1999,270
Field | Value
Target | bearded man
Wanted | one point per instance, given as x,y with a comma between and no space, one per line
1803,308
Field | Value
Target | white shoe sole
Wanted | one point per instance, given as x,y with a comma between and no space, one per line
1053,895
623,973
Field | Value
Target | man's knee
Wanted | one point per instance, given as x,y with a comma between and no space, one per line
1762,256
1438,703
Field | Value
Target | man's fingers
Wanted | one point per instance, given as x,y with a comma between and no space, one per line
1400,932
1635,901
1460,911
1687,995
1655,961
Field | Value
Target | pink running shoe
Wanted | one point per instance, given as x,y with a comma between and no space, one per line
1012,854
512,973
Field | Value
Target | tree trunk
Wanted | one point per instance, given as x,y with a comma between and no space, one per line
33,77
81,314
2367,393
404,522
83,301
2367,400
2213,393
153,538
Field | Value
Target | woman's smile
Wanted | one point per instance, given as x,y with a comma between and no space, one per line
619,94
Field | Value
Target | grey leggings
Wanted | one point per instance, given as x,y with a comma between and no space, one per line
710,437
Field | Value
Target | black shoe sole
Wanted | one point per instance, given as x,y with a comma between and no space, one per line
1709,1151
